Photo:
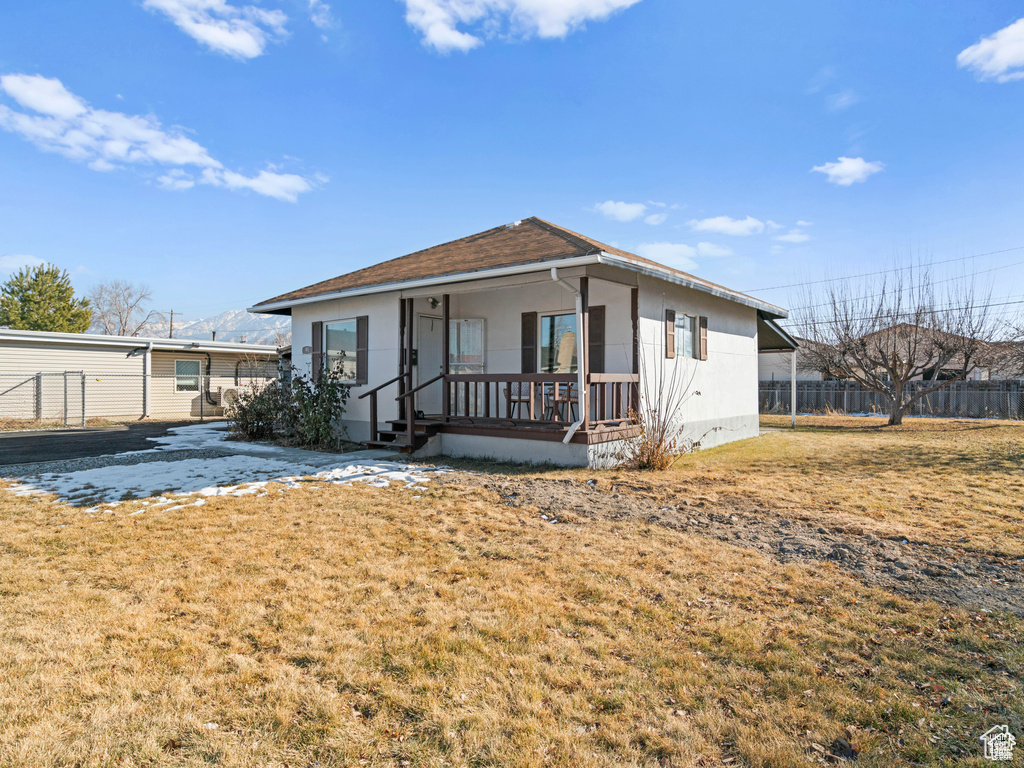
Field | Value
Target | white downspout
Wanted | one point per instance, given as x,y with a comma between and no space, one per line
581,367
147,379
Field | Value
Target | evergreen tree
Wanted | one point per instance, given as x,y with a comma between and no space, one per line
42,299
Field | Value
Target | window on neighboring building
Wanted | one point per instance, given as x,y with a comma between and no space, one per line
558,343
340,344
686,333
186,375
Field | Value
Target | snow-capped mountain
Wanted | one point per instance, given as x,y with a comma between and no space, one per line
233,325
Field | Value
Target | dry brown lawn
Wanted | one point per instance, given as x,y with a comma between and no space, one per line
339,626
954,483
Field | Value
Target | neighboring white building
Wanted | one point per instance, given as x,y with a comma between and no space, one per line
478,339
67,376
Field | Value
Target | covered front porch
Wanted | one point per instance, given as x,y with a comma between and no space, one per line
549,356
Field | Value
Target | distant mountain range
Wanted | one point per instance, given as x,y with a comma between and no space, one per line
233,325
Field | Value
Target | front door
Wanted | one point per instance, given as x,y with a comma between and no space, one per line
430,351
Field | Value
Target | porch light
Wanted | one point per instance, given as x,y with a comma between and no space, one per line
434,303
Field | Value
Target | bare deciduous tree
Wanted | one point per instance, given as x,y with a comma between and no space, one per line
887,333
119,308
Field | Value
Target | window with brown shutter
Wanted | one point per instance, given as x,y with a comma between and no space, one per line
529,342
362,349
670,333
317,362
595,340
703,338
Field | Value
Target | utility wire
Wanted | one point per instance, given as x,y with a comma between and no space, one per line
907,314
936,282
884,271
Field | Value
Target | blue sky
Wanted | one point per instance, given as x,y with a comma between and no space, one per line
224,151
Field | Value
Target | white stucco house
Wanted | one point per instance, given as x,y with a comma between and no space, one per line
528,342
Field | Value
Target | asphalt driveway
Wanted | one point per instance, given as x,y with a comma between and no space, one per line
63,444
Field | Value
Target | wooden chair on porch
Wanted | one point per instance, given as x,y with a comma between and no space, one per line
517,393
564,403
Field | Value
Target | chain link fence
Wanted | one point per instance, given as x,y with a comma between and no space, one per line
76,399
959,400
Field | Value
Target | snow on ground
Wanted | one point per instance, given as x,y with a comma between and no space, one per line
247,470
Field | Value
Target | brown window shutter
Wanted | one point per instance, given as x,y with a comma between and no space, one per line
670,333
529,362
595,340
703,338
362,349
318,350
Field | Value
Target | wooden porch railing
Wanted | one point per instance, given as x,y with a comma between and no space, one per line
539,399
519,400
372,394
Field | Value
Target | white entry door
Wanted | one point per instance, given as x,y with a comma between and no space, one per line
430,350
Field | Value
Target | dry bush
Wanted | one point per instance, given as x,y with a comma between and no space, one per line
664,391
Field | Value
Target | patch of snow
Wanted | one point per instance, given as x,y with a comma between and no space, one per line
237,474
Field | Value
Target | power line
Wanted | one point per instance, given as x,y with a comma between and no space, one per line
936,282
884,271
910,313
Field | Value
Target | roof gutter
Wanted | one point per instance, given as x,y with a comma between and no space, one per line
698,285
426,282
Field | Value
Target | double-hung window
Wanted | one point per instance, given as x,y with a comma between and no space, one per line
558,343
686,336
340,345
186,375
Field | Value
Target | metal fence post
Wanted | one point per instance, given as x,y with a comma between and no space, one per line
201,398
82,374
65,398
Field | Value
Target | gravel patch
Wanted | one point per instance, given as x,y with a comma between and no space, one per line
918,570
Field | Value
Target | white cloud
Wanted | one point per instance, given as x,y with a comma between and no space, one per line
283,186
680,255
439,20
823,77
11,264
320,14
849,170
655,219
242,32
176,179
712,251
724,225
675,255
803,223
844,99
998,57
620,211
66,125
793,236
775,250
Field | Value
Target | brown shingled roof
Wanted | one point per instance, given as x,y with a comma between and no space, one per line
529,241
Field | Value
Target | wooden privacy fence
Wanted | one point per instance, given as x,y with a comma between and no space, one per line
962,399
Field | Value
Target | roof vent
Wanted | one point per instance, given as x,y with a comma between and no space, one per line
513,225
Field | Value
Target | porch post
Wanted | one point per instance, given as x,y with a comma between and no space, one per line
792,388
401,357
410,415
446,351
582,350
634,316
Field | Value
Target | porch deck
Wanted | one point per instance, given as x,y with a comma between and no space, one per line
507,405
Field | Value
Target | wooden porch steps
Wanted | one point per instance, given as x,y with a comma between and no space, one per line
397,437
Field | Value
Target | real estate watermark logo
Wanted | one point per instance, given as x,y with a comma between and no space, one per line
998,743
